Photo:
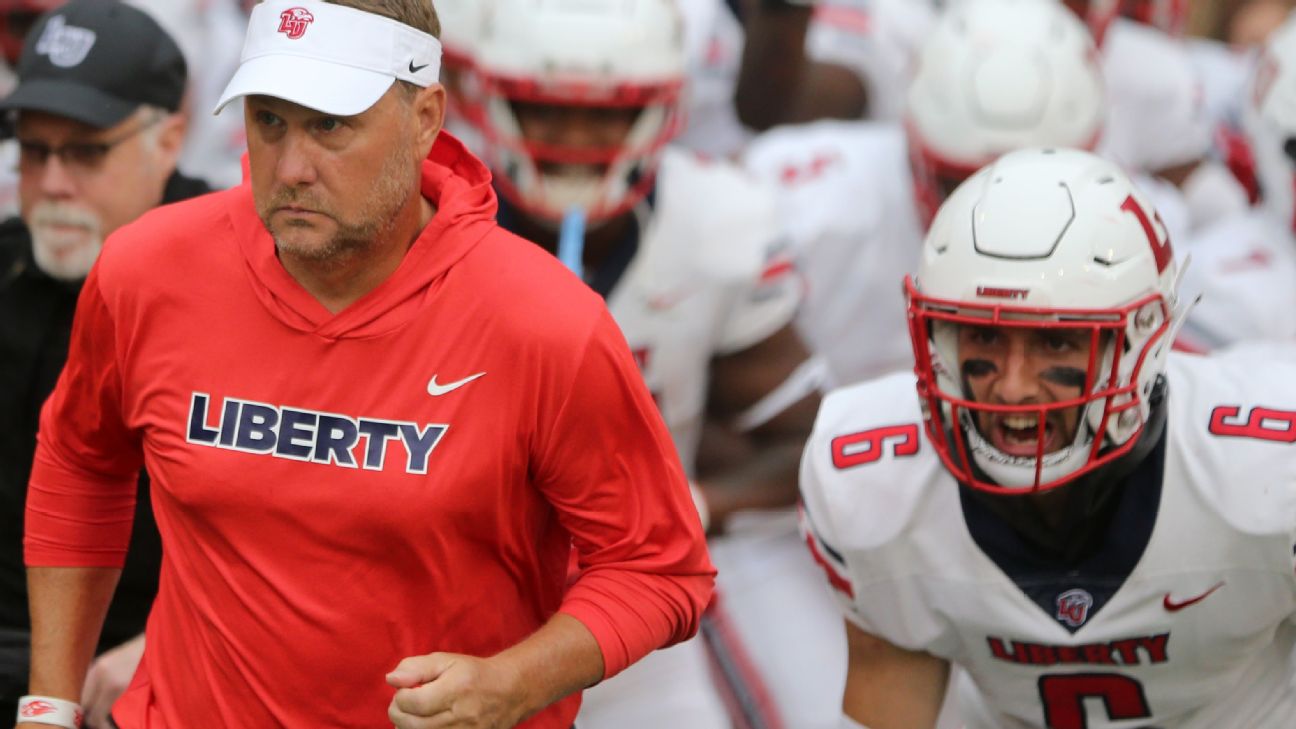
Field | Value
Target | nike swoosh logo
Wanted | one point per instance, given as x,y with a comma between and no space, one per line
416,69
436,390
1174,607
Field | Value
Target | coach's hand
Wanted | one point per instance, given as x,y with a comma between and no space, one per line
444,690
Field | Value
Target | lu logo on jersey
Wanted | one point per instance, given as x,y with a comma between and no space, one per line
1073,607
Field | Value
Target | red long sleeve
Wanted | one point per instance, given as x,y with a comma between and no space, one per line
645,576
81,497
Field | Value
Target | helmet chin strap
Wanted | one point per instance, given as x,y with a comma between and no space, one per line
1066,523
571,241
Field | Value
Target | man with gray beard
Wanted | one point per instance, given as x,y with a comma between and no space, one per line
94,116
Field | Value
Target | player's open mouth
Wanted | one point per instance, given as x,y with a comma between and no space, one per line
1018,435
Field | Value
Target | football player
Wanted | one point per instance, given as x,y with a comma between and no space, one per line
993,75
827,59
713,39
1167,98
580,101
1243,265
1098,531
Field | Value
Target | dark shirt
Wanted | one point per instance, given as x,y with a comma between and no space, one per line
35,326
609,272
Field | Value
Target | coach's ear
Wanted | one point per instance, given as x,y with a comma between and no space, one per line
429,114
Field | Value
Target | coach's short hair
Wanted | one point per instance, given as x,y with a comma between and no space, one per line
417,14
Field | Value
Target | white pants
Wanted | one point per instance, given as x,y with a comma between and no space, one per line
668,689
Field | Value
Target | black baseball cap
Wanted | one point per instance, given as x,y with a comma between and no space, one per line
97,62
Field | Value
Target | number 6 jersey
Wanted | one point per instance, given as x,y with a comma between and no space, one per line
1181,619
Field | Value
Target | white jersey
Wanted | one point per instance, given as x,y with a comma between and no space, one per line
1183,621
878,40
1244,268
1223,72
713,275
1156,116
714,42
847,197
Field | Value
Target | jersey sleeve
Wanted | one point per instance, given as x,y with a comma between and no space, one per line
609,467
819,534
864,477
81,497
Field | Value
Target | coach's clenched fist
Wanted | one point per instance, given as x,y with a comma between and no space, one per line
444,690
453,690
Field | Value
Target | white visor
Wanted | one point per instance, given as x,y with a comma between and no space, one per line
329,58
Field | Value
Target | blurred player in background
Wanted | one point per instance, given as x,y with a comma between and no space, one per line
580,103
1163,116
835,59
210,33
1243,266
993,75
1098,531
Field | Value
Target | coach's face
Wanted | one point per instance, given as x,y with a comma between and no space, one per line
325,185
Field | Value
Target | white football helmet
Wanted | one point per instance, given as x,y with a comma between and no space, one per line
1269,123
460,25
1044,239
994,76
595,53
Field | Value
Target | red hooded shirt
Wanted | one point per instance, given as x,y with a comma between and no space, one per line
338,492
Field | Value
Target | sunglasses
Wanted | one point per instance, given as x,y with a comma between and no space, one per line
77,157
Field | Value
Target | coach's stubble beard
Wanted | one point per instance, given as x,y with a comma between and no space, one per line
353,239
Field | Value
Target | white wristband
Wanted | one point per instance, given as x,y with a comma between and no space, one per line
49,710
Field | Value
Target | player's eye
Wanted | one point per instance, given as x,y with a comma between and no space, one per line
1060,342
329,124
982,335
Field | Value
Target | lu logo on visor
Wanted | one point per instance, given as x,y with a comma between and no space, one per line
293,22
331,58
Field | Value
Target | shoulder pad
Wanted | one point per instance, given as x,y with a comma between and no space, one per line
868,467
1232,427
